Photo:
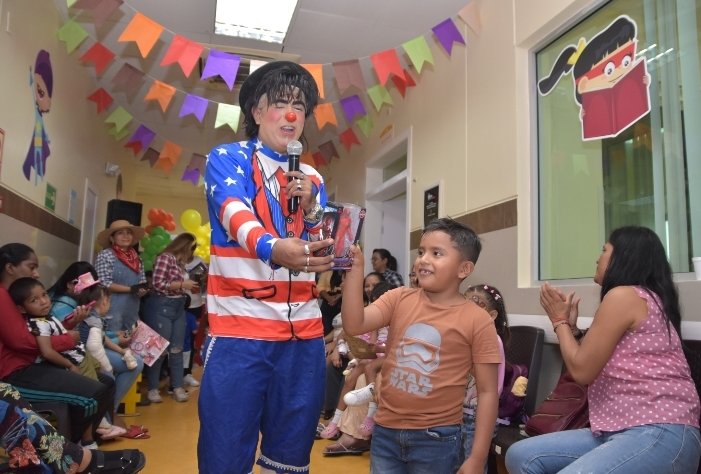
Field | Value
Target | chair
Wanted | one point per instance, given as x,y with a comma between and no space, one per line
525,347
692,351
57,410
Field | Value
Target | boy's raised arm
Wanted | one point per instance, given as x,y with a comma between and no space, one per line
356,318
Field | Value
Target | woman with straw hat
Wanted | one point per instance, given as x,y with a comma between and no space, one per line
120,269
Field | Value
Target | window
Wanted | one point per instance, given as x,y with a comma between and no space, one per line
646,171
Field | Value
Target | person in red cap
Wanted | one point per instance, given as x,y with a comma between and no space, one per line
264,366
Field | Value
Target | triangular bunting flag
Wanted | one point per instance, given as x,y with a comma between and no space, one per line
402,83
418,52
142,30
141,139
161,92
307,158
347,74
128,78
101,10
471,16
365,125
170,154
447,34
151,156
319,161
119,118
324,114
194,105
118,135
328,151
99,56
72,34
386,63
317,72
102,98
183,51
349,138
379,95
222,64
228,114
194,169
352,107
255,64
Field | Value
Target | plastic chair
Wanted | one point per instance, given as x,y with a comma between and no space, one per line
525,347
57,410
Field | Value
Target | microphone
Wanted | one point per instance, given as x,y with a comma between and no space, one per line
294,149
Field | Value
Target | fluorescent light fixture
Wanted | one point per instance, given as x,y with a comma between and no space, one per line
264,20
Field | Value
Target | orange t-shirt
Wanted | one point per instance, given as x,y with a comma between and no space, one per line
430,351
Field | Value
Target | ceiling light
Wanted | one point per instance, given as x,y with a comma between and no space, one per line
264,20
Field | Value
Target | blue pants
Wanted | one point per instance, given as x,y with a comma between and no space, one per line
419,451
251,387
654,449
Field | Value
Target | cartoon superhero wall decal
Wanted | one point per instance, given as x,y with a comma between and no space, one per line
41,81
611,85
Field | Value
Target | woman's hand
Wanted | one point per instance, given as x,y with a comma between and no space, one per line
557,306
141,292
335,358
75,369
190,285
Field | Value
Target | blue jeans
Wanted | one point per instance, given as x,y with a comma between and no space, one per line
658,449
416,451
166,316
468,437
123,377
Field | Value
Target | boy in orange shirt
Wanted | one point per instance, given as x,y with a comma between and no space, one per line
437,337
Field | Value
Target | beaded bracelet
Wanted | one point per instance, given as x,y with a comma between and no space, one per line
561,323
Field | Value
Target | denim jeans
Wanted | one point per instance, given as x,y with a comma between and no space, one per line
416,451
658,449
166,316
468,437
123,377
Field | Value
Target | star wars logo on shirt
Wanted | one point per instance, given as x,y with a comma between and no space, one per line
418,356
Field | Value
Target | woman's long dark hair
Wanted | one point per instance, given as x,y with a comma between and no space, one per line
14,254
639,259
74,270
387,255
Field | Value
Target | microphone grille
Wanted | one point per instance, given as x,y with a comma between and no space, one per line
294,148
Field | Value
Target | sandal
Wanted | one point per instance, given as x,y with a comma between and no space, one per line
127,461
112,432
140,427
339,449
136,432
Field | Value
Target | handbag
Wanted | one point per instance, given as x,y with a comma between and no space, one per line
566,408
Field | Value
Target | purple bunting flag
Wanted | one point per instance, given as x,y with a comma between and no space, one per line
141,139
226,65
195,105
447,33
353,106
194,169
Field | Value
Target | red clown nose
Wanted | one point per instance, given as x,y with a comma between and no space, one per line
290,116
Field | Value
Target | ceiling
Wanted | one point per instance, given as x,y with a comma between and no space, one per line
321,31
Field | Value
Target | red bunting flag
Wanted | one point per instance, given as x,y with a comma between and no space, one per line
349,138
102,98
404,82
183,51
99,55
319,160
386,63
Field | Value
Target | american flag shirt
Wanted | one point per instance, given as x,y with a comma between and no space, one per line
248,296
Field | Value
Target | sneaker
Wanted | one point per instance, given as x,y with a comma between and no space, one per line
153,396
330,431
180,395
360,396
191,381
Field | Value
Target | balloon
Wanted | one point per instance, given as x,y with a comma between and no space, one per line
191,220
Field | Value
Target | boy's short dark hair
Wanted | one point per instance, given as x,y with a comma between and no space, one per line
21,288
465,239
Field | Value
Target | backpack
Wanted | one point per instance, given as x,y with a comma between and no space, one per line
566,408
510,405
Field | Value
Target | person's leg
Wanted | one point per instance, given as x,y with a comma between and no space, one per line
334,382
550,452
659,449
386,452
433,450
293,399
177,339
234,383
154,316
123,377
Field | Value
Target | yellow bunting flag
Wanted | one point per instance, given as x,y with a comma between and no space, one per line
119,118
418,52
228,114
379,95
324,114
365,125
161,92
72,34
317,72
142,30
170,154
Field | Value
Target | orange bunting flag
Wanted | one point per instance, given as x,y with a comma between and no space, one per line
183,51
386,63
404,82
349,138
317,72
102,98
142,30
319,160
307,158
324,114
347,74
161,92
170,154
100,56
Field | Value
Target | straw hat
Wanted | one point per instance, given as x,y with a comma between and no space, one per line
103,238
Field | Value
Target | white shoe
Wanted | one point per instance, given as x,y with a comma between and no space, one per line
154,397
180,395
191,381
360,396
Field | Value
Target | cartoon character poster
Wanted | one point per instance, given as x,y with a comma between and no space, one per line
41,81
611,85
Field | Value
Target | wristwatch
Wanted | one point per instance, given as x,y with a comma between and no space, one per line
314,214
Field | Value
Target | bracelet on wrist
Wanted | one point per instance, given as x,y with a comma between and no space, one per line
561,323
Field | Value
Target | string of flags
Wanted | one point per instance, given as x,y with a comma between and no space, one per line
348,75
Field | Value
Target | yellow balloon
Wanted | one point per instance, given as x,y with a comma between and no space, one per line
191,220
